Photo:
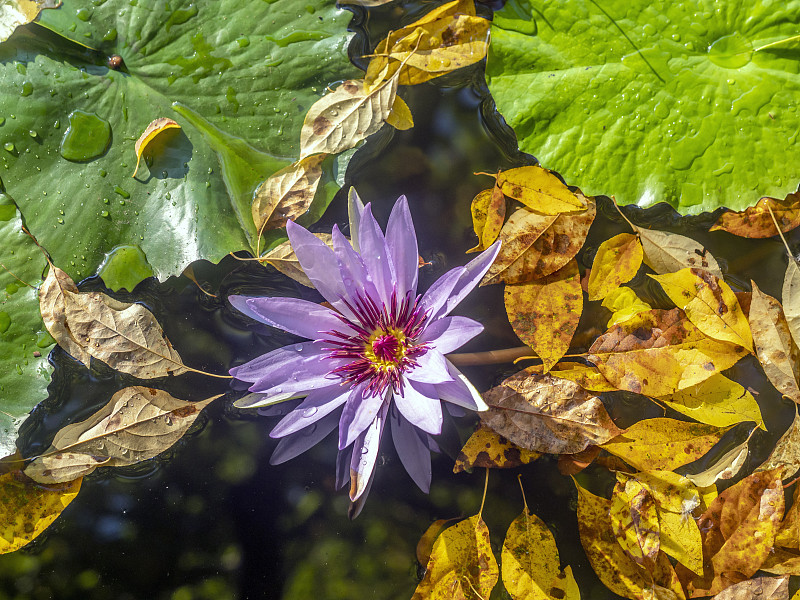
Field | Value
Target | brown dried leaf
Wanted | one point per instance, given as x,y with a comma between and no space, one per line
666,252
488,449
287,194
664,444
535,246
659,352
782,562
756,222
572,464
775,349
545,313
546,414
137,424
340,120
788,535
786,453
283,258
759,588
151,132
53,309
791,299
19,12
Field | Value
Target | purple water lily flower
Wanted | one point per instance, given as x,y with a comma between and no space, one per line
377,356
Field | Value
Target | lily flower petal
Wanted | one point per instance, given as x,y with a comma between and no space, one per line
475,270
449,333
355,208
420,404
317,405
402,243
431,368
300,317
365,453
413,452
358,413
437,295
296,444
286,359
460,391
376,256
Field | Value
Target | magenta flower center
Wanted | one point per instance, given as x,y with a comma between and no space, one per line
383,345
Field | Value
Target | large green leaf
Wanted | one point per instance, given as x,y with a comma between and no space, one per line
692,102
23,376
237,75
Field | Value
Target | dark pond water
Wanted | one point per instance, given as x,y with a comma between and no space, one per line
212,519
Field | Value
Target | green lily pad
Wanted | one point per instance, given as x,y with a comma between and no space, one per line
78,88
23,375
686,102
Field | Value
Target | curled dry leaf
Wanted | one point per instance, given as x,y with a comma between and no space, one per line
488,213
623,304
617,261
666,252
545,313
53,309
487,448
709,303
758,588
150,133
530,562
14,13
791,299
462,563
775,348
659,352
340,120
634,520
786,453
540,190
756,222
726,467
447,38
27,509
283,258
287,194
572,464
136,424
546,414
534,245
717,401
663,444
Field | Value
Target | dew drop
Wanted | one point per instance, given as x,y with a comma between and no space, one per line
310,412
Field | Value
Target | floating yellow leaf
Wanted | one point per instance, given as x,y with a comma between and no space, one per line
624,304
447,38
400,116
283,258
666,252
136,424
617,261
545,313
534,246
663,444
425,544
634,520
775,348
27,508
487,448
488,213
340,120
709,303
716,401
788,535
462,564
546,414
151,132
287,194
530,562
756,222
540,190
659,352
786,453
586,376
14,13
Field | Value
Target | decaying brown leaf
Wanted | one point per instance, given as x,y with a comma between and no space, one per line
786,453
572,464
488,213
634,520
791,299
545,313
283,258
287,194
775,348
53,309
617,261
546,414
756,222
487,448
14,13
666,252
535,245
150,133
137,424
659,352
788,535
758,588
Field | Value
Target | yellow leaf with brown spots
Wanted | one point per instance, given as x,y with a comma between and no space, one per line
659,352
530,561
634,520
535,245
709,303
624,304
488,213
540,190
758,588
739,530
545,313
27,508
782,562
664,444
617,261
666,252
756,222
586,376
462,565
150,133
775,348
786,453
618,571
716,401
788,535
487,448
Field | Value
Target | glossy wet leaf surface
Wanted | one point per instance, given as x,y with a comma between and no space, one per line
654,101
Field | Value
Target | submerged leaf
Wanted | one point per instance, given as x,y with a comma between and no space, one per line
756,222
666,252
586,376
283,258
726,467
546,414
487,448
136,424
545,313
150,133
27,509
617,261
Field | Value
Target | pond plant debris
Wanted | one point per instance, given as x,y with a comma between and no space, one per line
681,505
